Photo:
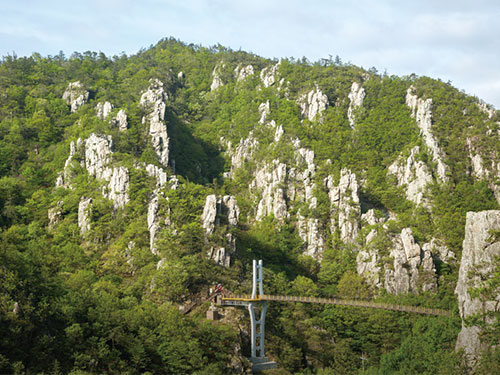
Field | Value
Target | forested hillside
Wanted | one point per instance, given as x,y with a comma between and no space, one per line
130,185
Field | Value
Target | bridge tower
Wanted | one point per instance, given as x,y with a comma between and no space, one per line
257,327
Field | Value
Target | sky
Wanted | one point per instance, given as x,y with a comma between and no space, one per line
454,40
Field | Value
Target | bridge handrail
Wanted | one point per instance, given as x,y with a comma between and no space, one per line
338,301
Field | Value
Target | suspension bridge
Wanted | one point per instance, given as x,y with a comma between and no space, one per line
257,307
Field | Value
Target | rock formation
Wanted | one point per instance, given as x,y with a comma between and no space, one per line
221,211
153,224
264,112
118,187
243,72
97,159
479,256
345,208
98,155
120,120
422,111
270,181
75,95
84,212
412,173
103,110
216,77
313,103
356,97
243,151
268,75
54,215
404,275
153,101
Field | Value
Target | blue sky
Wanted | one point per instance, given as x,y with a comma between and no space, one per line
457,41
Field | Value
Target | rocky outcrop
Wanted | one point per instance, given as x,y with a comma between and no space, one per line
422,111
270,181
84,212
243,72
345,208
244,151
412,268
153,224
120,120
368,265
221,211
356,97
158,173
153,102
54,215
118,186
479,258
413,174
264,112
103,110
75,95
371,218
486,109
216,77
313,103
98,155
97,152
217,207
268,75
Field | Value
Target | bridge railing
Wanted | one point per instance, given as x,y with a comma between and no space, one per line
335,301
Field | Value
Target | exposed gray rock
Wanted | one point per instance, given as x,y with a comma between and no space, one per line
264,112
216,74
312,234
404,275
209,214
218,211
422,111
217,206
153,101
439,251
345,208
118,187
270,181
313,103
268,75
55,214
243,72
371,218
181,75
158,173
414,174
75,95
84,212
244,151
98,155
153,225
367,265
478,262
356,97
487,109
278,133
103,110
64,178
120,120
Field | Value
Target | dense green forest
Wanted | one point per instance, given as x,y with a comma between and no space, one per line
105,300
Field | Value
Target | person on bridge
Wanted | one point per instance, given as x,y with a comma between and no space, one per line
218,289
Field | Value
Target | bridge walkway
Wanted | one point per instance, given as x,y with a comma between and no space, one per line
238,300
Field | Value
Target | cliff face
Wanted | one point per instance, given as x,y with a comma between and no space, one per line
164,173
479,259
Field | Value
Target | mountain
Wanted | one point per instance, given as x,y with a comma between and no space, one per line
130,185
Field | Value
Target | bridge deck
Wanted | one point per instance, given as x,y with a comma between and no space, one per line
245,299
